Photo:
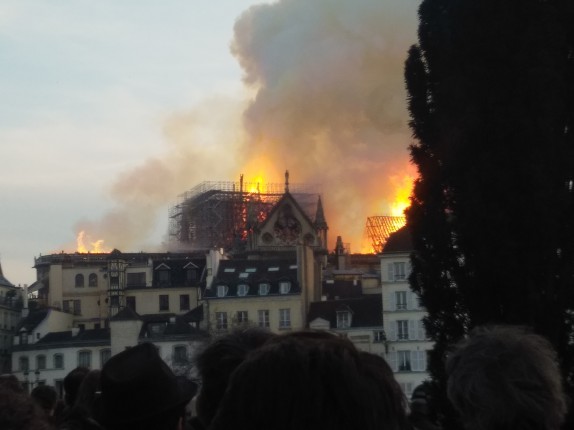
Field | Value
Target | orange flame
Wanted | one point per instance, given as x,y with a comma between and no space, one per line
403,190
97,246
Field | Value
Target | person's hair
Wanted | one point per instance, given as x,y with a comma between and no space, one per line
72,382
217,362
88,393
506,377
46,397
19,412
10,381
311,380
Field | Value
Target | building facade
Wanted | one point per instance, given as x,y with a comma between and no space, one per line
407,344
86,307
11,302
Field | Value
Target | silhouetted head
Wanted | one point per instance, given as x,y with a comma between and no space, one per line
46,397
506,378
72,383
19,412
218,361
311,380
140,391
88,393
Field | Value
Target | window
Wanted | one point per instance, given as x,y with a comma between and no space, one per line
221,320
131,302
23,364
379,336
242,317
284,287
401,300
115,301
284,318
164,302
58,361
263,318
105,355
404,361
343,319
222,290
85,359
93,280
137,279
180,354
77,307
419,360
402,330
184,302
164,278
79,281
190,276
397,271
264,289
242,289
40,362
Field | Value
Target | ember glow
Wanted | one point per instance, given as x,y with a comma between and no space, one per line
96,247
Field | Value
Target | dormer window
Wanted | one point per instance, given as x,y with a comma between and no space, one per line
284,287
264,288
343,319
242,289
222,290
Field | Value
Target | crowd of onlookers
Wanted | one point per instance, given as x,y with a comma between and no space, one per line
499,378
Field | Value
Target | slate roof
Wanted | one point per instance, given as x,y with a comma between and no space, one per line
33,320
367,311
126,314
168,326
399,241
342,289
83,336
252,272
3,281
194,315
65,339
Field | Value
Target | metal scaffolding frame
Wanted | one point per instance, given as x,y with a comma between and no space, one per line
379,228
220,214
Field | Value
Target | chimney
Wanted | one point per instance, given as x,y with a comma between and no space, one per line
25,310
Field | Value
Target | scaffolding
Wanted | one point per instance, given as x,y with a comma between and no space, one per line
220,214
379,228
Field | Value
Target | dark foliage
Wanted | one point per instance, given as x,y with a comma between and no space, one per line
491,86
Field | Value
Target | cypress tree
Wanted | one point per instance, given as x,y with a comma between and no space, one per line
490,93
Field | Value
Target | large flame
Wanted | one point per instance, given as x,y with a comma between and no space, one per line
96,246
403,189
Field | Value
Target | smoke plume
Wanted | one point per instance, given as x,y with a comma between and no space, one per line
326,102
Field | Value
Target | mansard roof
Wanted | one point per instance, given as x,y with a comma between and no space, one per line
367,311
232,273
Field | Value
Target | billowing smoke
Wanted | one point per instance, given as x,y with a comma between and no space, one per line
330,98
327,102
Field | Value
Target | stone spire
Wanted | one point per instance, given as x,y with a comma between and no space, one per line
320,221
